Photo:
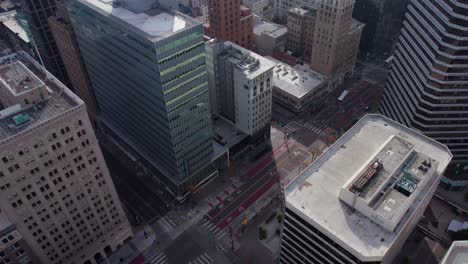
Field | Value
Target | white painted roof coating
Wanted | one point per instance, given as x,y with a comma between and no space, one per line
457,253
315,193
9,20
298,81
155,22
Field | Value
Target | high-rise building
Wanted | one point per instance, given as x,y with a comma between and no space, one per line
65,39
427,87
54,186
327,36
383,19
230,21
36,14
147,68
301,28
241,84
13,248
336,39
360,200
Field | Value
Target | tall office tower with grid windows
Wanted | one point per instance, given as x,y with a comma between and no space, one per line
147,67
65,39
54,183
326,35
427,88
36,14
230,21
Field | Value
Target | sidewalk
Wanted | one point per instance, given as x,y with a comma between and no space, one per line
455,198
131,251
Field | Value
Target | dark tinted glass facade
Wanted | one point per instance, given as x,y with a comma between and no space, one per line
154,92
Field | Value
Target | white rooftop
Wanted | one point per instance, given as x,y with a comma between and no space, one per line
9,20
303,10
314,195
269,28
457,253
298,81
155,22
17,78
21,77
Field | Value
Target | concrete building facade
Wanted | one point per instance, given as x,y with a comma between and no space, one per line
282,7
147,68
262,8
269,37
301,28
427,88
36,14
241,87
65,39
13,248
360,200
327,36
230,21
54,186
387,26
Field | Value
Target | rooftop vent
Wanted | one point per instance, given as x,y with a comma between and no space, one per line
361,181
21,119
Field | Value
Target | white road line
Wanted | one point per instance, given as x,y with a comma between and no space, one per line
159,259
207,256
220,234
296,123
165,223
171,222
213,227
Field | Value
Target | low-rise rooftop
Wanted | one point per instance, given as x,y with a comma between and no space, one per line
298,80
316,193
457,253
155,22
247,61
268,28
30,95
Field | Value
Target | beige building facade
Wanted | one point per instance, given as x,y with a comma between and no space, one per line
301,27
54,183
328,33
64,36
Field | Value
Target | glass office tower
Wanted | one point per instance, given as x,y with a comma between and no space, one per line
147,66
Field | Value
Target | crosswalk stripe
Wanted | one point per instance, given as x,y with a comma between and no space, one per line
220,235
159,259
207,256
171,222
205,259
212,227
206,223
